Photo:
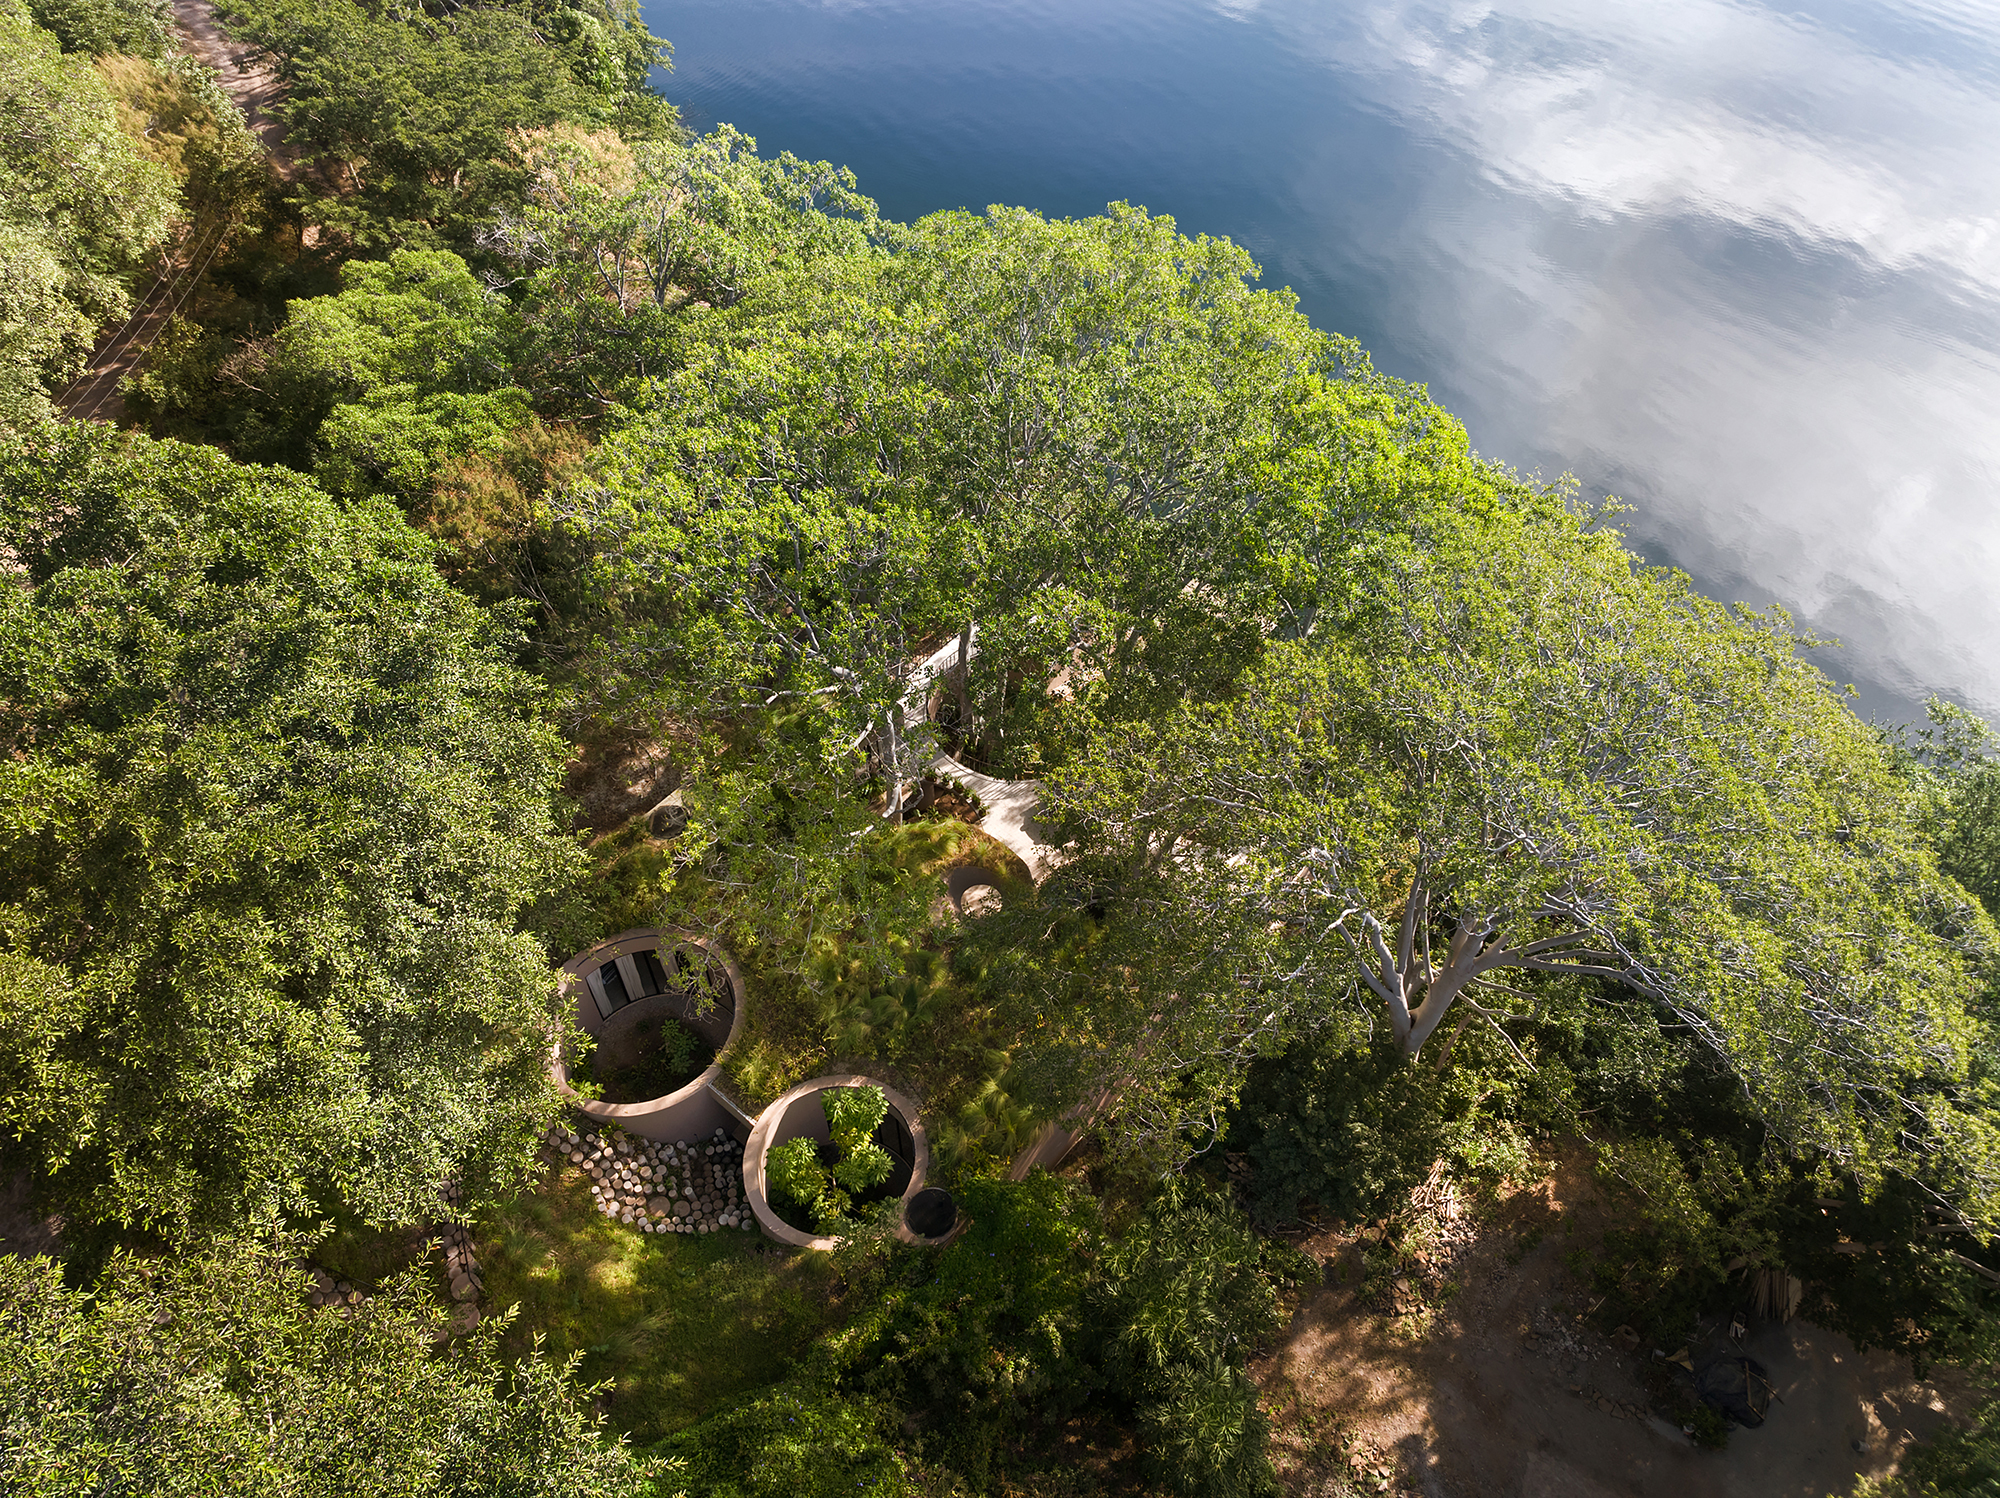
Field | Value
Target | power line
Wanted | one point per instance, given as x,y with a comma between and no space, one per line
192,281
164,279
187,282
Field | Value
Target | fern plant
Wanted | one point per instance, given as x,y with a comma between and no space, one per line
880,1018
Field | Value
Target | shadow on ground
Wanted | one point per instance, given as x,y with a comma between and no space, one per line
1506,1393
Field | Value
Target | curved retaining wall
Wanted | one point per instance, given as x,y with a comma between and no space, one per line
696,1108
782,1121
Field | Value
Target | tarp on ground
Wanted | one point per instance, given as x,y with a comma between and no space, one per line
1737,1386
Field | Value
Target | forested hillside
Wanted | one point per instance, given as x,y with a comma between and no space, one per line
1391,820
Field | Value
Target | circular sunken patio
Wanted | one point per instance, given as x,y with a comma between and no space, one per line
797,1113
634,986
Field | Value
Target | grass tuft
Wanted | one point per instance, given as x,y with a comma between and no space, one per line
678,1325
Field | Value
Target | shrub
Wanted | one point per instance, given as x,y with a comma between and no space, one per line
1032,1316
795,1442
979,1339
853,1114
1183,1298
207,1371
1354,1129
794,1172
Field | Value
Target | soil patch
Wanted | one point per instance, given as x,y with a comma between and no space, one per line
1468,1370
617,774
24,1231
660,1056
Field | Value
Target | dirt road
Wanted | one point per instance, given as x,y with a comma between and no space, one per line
95,395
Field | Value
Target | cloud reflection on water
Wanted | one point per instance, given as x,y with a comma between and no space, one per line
1743,267
1738,264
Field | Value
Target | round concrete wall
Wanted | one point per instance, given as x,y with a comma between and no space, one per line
617,985
798,1113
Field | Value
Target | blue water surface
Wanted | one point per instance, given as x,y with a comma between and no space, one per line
1737,263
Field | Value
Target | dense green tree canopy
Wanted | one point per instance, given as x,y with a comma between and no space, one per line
408,367
272,800
615,242
1525,752
421,121
137,27
1969,841
1090,437
1361,750
209,1374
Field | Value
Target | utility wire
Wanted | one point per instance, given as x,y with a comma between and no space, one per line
165,279
187,283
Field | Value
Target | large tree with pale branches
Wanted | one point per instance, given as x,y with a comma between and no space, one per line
1522,752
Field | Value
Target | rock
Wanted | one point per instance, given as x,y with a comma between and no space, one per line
669,818
462,1288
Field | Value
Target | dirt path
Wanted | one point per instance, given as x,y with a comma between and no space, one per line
254,90
24,1231
95,396
1505,1393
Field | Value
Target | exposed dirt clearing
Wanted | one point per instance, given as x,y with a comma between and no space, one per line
1506,1393
620,773
254,88
24,1231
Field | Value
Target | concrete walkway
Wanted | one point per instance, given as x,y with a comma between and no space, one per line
1009,805
1009,815
1008,818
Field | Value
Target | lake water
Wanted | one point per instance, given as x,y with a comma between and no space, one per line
1737,264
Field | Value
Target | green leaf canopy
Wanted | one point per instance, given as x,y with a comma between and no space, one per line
1092,437
1521,750
272,800
80,207
208,1374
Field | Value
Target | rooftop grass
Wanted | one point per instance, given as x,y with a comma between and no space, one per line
856,975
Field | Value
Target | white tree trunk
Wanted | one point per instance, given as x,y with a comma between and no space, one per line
892,754
1418,990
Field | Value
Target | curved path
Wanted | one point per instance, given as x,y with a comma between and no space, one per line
1009,818
1009,815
